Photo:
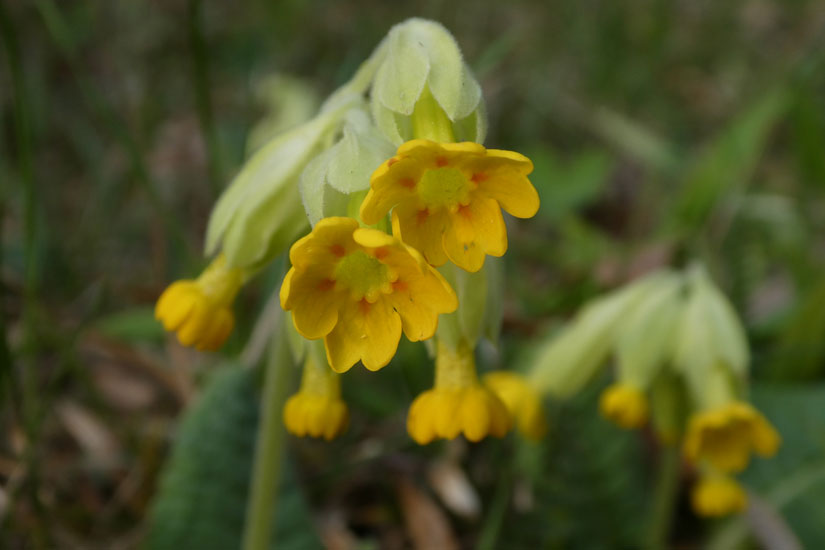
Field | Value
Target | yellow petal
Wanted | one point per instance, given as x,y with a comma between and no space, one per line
503,177
422,230
382,331
473,232
392,183
419,300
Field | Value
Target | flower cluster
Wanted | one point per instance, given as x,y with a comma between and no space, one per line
394,182
676,339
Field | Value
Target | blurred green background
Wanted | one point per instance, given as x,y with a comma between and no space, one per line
661,132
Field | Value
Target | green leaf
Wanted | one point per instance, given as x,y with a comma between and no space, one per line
585,471
202,498
728,161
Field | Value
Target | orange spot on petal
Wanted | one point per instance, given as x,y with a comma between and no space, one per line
337,250
364,306
326,284
441,162
381,253
400,286
422,216
409,183
478,177
465,211
392,161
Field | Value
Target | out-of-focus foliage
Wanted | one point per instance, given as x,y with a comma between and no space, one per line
661,132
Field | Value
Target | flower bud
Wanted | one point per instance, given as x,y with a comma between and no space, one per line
423,57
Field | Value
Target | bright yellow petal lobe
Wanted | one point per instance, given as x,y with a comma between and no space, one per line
198,310
358,288
458,404
317,410
522,401
726,436
718,496
446,199
624,405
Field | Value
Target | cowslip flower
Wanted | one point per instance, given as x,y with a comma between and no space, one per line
446,199
522,401
199,310
726,436
458,404
717,495
358,288
317,410
625,405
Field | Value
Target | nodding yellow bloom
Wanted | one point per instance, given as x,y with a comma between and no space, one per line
358,288
625,405
446,199
522,401
458,403
317,410
199,310
725,436
718,496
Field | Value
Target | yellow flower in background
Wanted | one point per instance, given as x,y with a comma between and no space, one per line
718,496
317,410
725,436
624,405
522,401
458,404
446,199
199,310
358,288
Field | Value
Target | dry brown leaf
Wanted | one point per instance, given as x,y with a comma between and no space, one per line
427,524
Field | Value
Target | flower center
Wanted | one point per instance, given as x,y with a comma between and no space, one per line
364,275
443,187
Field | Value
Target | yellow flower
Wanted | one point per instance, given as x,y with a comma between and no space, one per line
457,404
718,496
725,436
358,288
522,401
317,410
446,199
199,310
624,405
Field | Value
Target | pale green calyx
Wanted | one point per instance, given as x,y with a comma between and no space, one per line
343,169
569,359
710,340
260,213
479,306
422,55
644,343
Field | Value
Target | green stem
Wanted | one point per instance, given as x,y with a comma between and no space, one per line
664,497
269,453
495,517
29,409
200,83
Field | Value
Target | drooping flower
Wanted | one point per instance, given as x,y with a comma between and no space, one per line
446,199
358,288
727,435
458,404
522,401
624,405
317,410
717,495
199,310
